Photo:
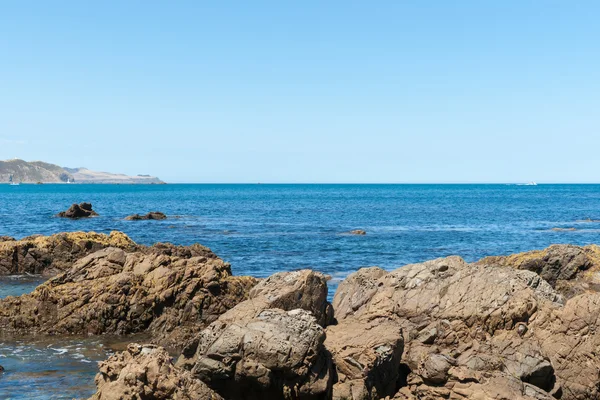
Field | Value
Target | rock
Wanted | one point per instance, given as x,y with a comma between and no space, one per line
50,255
269,346
275,355
146,372
462,326
1,369
357,232
115,292
367,358
153,215
76,211
569,269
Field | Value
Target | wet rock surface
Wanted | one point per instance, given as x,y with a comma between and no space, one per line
153,215
76,211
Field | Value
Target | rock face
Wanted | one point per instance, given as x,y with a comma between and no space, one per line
112,291
146,372
464,329
50,255
570,269
153,215
269,346
76,211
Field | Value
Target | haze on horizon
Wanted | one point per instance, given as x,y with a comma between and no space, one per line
266,91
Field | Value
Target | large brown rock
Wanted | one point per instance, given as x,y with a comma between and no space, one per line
367,358
50,255
463,327
146,372
570,269
76,211
112,291
269,346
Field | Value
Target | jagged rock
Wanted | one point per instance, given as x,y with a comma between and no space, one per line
462,327
146,372
76,211
153,215
275,355
367,358
269,346
570,269
112,291
50,255
1,369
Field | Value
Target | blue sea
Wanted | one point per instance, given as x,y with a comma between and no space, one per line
262,229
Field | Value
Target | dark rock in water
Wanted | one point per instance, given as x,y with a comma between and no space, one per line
153,215
1,369
146,371
76,211
357,232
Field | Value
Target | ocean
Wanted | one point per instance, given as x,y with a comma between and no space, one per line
262,229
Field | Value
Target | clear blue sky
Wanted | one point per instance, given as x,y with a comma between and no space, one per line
305,91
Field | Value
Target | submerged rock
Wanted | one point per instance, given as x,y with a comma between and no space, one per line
153,215
359,232
76,211
146,372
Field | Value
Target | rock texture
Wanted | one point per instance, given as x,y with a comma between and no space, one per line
269,346
146,372
153,215
467,329
570,269
77,211
112,291
50,255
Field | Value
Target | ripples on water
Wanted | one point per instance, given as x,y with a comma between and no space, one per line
262,229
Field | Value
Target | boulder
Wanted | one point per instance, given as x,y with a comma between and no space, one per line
146,372
464,328
153,215
76,211
367,358
274,355
269,346
50,255
571,270
112,291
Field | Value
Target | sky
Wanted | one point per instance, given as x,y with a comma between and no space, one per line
308,91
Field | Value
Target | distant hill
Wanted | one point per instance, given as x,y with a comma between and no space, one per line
38,171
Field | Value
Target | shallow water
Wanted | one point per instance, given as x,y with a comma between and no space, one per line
261,229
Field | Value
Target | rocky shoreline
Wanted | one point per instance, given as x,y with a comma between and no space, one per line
512,327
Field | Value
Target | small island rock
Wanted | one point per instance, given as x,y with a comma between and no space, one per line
358,232
153,215
76,211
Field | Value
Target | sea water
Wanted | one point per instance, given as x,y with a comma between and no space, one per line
262,229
